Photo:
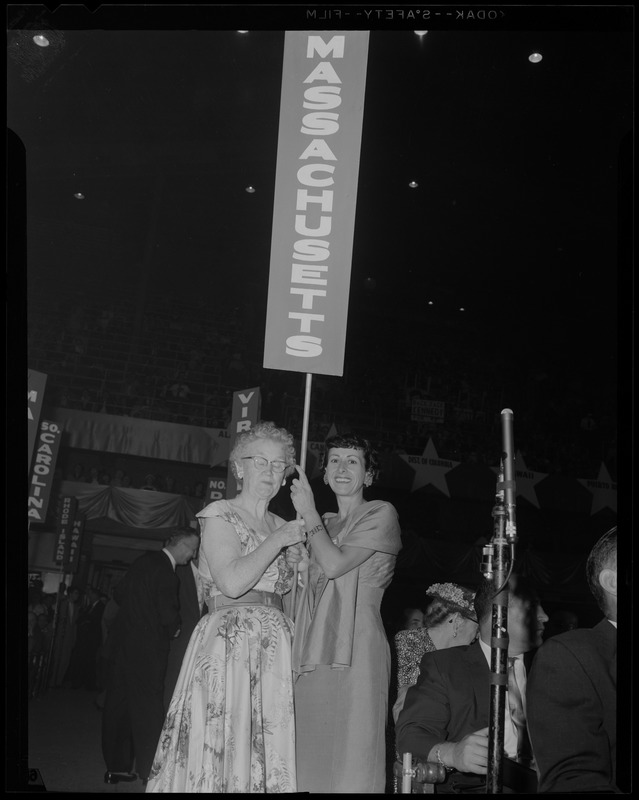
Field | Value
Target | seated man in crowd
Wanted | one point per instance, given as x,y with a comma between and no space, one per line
446,714
572,692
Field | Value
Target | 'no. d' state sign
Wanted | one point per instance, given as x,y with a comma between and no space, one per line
321,115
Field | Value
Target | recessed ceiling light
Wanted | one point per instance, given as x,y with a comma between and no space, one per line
250,189
535,58
79,196
242,31
413,184
41,40
421,33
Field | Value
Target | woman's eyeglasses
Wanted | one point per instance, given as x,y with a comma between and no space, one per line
262,463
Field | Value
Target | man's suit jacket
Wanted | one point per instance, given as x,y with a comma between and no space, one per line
190,613
90,626
572,710
148,618
450,700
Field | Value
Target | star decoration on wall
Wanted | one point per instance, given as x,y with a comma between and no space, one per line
430,469
525,480
604,490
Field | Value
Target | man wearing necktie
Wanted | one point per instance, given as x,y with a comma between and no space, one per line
446,715
517,708
572,692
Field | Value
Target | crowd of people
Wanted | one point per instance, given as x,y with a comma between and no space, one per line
65,638
560,730
103,475
250,655
185,370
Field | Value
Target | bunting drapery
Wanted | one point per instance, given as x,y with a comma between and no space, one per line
132,507
108,433
452,479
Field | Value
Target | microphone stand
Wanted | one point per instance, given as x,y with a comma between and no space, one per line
497,563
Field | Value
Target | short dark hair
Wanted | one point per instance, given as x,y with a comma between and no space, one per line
179,534
437,612
355,442
484,598
518,586
403,618
602,555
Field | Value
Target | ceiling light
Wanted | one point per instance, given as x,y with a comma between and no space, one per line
41,40
535,58
421,33
242,31
250,189
413,184
79,196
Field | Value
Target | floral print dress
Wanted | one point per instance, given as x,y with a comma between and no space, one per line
230,723
411,646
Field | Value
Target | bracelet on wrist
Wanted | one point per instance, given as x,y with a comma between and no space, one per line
314,530
441,762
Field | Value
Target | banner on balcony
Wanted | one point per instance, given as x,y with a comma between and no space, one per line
215,490
423,410
36,383
43,470
65,516
320,131
75,543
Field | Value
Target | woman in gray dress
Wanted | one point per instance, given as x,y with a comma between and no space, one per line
341,655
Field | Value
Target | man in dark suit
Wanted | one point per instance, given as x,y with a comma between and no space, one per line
572,692
446,715
147,620
191,607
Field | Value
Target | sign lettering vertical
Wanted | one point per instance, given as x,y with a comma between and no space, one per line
320,130
245,412
43,471
75,542
67,511
36,383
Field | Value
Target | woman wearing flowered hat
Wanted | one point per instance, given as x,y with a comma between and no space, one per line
449,621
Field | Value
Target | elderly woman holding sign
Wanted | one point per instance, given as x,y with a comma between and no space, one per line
229,727
341,654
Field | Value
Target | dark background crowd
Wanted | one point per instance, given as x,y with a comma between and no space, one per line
183,364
